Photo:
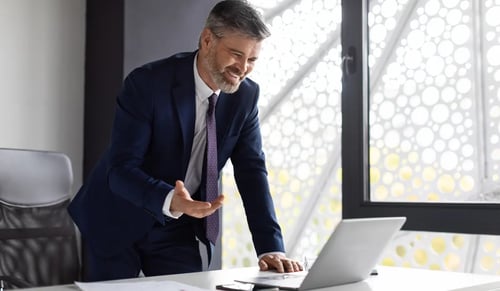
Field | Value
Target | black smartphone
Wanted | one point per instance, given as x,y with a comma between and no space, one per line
235,286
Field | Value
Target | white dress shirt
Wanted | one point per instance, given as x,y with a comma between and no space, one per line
195,166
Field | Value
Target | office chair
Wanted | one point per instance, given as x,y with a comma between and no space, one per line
38,242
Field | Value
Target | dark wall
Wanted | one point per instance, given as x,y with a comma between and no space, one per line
155,29
103,75
124,34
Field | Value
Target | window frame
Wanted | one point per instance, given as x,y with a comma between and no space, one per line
472,218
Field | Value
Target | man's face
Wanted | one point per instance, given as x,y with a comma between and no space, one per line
226,61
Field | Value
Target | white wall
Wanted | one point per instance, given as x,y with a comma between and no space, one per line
42,45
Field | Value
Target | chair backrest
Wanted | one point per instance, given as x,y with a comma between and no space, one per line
38,239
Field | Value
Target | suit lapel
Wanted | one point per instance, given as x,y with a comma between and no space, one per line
184,99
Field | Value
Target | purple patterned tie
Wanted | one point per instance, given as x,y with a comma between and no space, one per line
212,174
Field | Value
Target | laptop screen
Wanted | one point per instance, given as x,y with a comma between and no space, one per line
349,255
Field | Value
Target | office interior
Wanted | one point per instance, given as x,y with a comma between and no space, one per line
433,109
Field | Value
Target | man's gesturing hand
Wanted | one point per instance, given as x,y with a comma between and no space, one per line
182,202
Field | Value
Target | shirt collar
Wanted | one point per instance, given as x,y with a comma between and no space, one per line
201,88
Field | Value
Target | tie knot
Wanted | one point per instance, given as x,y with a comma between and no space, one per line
212,100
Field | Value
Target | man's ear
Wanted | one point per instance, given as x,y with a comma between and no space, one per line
205,38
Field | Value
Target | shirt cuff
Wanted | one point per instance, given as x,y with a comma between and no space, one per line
166,207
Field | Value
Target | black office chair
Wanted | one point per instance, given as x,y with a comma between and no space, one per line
38,242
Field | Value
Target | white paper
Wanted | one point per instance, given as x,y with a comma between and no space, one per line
137,285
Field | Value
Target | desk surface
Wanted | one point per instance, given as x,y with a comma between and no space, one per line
388,279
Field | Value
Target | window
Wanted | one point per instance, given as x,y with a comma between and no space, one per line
420,113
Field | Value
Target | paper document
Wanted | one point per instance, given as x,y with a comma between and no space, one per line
137,285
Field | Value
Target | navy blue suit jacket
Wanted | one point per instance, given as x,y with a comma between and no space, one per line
150,149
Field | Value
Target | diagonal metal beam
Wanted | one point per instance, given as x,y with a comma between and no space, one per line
307,68
270,13
392,43
307,214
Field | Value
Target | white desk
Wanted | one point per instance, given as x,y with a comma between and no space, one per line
388,279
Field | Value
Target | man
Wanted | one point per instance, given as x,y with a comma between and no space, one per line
143,207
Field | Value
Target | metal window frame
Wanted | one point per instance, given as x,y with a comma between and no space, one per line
472,218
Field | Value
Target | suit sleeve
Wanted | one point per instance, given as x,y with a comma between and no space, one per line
130,140
251,178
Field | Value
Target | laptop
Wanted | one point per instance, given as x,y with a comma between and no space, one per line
349,256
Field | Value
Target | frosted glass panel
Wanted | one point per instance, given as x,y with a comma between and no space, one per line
434,100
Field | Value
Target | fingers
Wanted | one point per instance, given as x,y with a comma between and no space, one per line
182,202
181,191
294,266
279,263
218,201
263,266
179,184
276,263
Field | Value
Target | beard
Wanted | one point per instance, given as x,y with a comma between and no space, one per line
218,75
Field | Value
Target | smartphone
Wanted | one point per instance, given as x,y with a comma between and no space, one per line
235,286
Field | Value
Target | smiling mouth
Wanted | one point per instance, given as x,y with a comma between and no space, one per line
233,76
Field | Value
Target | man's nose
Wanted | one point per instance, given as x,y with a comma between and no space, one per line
242,66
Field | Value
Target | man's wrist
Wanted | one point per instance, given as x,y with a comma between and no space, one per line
166,206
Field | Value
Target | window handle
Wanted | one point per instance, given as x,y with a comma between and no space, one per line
349,61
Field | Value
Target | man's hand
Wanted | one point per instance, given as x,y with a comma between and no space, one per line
279,263
182,202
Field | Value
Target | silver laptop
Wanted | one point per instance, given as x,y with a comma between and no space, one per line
349,256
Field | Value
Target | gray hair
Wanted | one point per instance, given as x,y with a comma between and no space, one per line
236,16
